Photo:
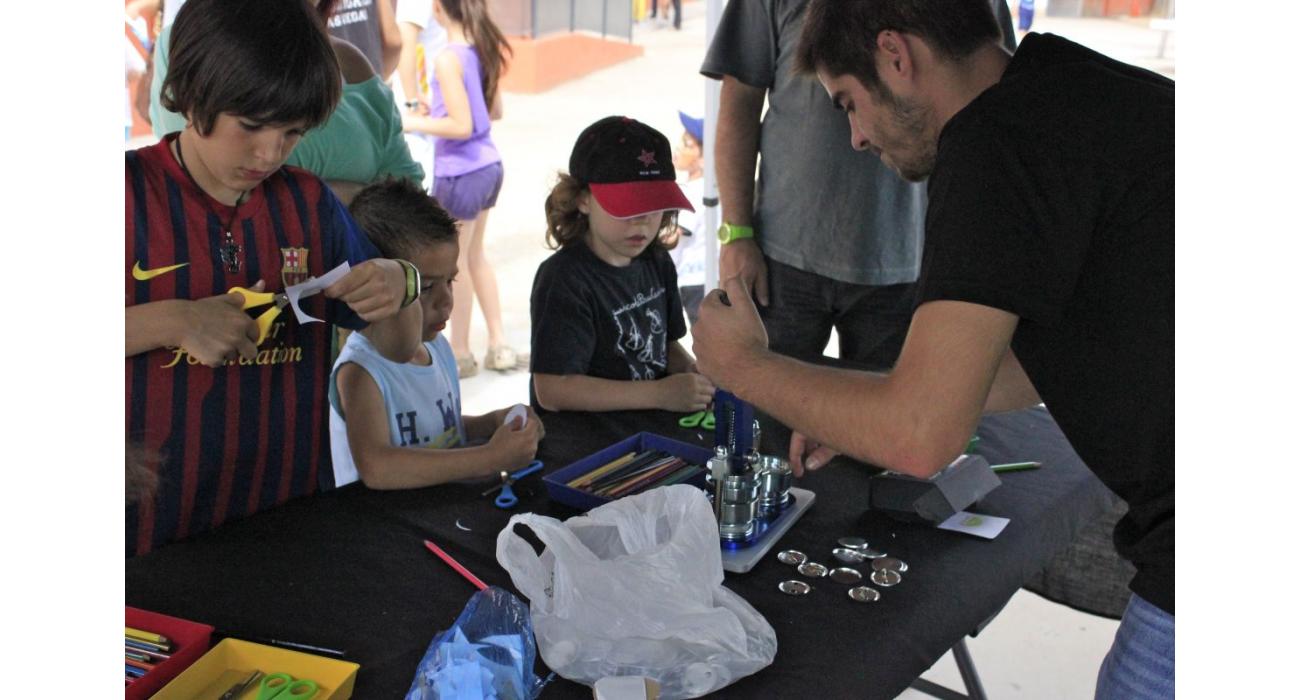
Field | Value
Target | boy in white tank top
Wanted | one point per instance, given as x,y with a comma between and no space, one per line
380,410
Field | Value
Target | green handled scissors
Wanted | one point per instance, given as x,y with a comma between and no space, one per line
282,686
700,419
252,300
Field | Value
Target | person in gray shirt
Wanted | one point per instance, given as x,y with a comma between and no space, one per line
831,237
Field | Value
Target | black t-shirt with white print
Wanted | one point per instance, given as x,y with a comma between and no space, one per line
595,319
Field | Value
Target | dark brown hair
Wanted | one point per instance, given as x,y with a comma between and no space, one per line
489,42
400,218
839,36
565,224
267,60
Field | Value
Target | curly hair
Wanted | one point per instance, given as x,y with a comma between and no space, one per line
566,224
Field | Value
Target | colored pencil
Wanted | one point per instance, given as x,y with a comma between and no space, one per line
592,475
148,636
455,565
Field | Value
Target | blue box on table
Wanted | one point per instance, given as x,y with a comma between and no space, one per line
557,483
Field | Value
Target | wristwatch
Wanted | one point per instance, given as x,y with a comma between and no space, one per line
734,232
412,281
412,104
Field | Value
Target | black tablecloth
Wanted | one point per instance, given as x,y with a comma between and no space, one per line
347,569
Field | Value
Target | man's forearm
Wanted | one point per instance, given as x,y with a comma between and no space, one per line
406,68
735,150
390,39
860,414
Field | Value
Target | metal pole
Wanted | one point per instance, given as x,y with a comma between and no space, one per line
712,99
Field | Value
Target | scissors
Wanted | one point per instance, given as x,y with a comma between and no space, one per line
507,498
700,419
252,300
238,688
282,686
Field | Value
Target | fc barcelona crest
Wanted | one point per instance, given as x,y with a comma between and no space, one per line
294,270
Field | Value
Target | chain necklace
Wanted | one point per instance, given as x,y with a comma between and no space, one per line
229,249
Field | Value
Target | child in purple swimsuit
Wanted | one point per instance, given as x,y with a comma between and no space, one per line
466,165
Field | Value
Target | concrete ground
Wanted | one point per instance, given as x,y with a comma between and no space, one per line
1035,648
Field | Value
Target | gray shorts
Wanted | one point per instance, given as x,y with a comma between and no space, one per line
464,196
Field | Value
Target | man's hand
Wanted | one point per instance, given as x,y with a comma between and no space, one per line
743,259
729,334
374,289
216,329
515,447
808,454
685,392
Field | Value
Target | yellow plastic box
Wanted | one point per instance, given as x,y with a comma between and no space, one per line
232,660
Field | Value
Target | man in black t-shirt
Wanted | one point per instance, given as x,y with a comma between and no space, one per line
1047,272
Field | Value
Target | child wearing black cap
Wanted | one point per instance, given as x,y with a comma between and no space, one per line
606,314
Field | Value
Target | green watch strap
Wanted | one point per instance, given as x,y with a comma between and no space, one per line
412,281
734,232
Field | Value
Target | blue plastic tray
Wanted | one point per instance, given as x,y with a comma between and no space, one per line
557,482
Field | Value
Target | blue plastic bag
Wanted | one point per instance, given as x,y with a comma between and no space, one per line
488,653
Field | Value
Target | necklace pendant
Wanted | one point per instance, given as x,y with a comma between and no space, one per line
230,255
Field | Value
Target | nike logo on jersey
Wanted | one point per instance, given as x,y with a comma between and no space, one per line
144,275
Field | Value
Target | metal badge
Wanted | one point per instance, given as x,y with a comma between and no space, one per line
794,587
853,542
848,556
864,594
893,563
812,569
885,577
845,575
793,557
871,553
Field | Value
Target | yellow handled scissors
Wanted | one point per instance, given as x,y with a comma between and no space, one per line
282,686
252,300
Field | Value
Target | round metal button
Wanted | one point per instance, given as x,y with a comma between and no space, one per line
848,555
845,574
893,563
794,588
853,542
793,557
885,577
871,553
812,569
864,594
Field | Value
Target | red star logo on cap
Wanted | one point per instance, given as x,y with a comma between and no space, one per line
647,158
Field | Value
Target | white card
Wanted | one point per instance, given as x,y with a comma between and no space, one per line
517,411
310,287
986,526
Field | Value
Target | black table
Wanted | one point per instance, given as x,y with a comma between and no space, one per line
347,569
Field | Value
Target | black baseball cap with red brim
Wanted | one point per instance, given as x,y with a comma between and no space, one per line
628,167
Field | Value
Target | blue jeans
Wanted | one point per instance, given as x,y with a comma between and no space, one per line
1140,664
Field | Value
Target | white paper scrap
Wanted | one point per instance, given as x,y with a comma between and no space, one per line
310,287
986,526
517,411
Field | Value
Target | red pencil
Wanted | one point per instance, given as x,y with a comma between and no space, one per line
455,565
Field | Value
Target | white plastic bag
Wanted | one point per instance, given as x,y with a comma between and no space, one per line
634,587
